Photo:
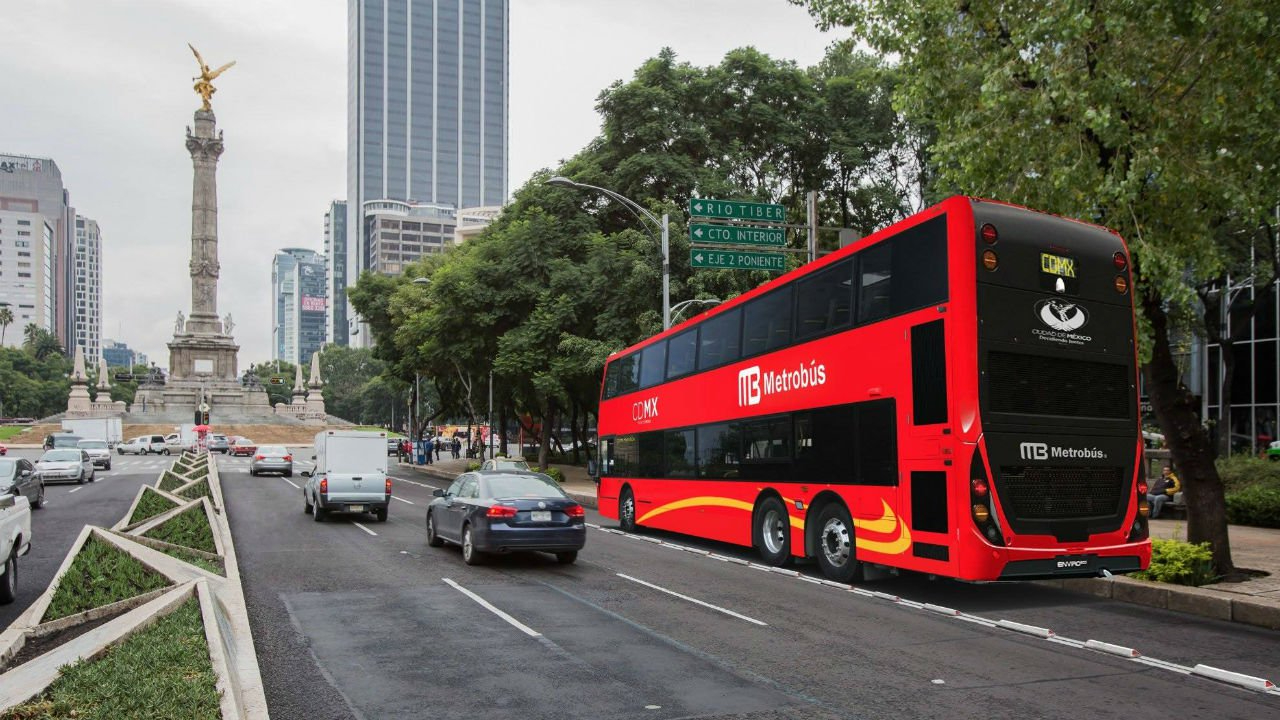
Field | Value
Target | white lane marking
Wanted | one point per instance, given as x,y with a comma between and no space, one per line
412,482
693,600
485,604
393,497
1262,685
75,490
299,487
365,529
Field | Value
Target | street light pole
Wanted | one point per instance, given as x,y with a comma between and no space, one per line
642,215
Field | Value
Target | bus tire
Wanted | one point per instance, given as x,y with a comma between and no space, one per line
836,550
627,510
771,531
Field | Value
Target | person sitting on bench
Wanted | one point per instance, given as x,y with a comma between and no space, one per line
1163,491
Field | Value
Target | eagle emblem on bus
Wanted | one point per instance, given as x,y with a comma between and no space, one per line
1060,315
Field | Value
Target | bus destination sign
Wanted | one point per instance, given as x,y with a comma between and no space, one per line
737,235
737,260
734,210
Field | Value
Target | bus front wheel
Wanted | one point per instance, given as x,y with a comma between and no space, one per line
772,534
627,510
836,554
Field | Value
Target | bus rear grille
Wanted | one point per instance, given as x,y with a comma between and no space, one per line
1040,493
1067,387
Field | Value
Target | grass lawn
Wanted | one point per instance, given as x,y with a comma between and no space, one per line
371,428
189,529
162,672
187,556
151,505
195,491
171,481
100,575
9,431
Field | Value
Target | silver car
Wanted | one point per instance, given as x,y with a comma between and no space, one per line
98,451
272,458
66,465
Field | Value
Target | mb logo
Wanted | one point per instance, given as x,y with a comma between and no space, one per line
1034,451
749,386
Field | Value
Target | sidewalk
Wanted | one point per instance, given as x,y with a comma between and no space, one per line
1254,602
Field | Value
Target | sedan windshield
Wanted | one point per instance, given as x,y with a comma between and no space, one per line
61,456
7,470
93,444
504,486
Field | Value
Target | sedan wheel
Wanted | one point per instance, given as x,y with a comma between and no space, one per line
433,539
39,503
470,555
9,584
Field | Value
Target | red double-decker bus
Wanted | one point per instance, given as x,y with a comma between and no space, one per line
955,395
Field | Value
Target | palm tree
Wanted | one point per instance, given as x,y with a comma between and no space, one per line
30,334
6,319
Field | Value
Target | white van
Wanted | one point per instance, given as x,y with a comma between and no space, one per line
350,475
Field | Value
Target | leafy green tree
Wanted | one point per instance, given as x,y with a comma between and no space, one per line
31,386
1155,118
285,371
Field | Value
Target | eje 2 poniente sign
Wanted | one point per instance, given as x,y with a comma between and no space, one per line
737,235
734,210
737,260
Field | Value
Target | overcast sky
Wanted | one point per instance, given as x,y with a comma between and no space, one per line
104,88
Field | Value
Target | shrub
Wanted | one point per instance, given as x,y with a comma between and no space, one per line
99,575
1180,563
198,473
555,474
161,672
171,481
473,466
200,489
1241,471
189,529
150,505
1257,505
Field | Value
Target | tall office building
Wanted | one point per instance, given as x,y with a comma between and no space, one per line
335,253
298,286
120,355
33,187
26,273
427,84
88,287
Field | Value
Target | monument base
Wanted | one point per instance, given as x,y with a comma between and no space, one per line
204,357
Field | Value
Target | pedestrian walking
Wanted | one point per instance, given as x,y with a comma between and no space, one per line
456,447
429,448
439,444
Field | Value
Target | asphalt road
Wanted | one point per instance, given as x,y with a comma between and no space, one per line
68,508
362,619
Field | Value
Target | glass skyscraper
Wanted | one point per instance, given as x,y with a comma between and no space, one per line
426,106
298,286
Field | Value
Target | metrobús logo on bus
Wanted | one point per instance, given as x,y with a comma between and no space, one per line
644,412
754,385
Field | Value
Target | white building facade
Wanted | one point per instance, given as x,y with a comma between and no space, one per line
88,288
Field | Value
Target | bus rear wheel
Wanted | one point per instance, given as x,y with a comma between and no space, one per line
772,532
627,510
836,551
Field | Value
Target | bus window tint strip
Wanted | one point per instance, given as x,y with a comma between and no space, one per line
653,362
720,342
766,323
824,301
845,444
682,354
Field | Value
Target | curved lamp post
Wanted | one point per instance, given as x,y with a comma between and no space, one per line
642,215
682,306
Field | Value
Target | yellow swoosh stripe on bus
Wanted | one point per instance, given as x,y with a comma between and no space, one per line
887,523
703,501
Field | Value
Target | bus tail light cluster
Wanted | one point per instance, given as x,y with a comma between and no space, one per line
1140,529
980,507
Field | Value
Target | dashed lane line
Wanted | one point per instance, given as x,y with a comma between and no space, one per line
1235,679
365,529
74,490
693,600
410,502
298,487
487,606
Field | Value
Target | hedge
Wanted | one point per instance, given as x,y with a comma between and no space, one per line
1180,563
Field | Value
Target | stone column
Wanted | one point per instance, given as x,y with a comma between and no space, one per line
205,146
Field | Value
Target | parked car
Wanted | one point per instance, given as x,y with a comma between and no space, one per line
500,511
134,446
65,465
18,477
15,541
272,458
244,446
505,463
98,451
218,443
3,450
61,440
350,475
393,445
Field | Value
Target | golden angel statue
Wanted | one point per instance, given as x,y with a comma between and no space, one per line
204,81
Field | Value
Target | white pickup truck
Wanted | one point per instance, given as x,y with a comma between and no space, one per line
15,540
350,475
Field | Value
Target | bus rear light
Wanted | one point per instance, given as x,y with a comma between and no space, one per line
989,235
993,535
1122,284
989,260
1142,487
1143,508
980,488
501,511
980,513
1120,261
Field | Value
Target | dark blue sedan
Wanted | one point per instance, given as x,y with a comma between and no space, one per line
498,511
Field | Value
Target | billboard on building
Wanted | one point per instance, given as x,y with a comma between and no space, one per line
311,303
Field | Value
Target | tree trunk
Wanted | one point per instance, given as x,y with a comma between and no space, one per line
1176,410
573,431
1226,350
545,445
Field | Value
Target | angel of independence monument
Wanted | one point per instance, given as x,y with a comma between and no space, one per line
203,365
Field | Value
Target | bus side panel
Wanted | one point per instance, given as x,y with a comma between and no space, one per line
716,510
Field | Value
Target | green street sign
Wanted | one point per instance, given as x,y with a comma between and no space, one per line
737,260
737,235
734,210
